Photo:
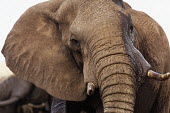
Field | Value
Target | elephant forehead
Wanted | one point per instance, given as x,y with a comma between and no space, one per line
95,8
99,17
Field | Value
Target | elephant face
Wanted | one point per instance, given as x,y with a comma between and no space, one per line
61,46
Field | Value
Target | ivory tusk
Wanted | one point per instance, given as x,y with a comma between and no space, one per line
37,106
158,76
90,88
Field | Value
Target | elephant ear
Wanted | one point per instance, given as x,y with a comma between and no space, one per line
126,5
34,51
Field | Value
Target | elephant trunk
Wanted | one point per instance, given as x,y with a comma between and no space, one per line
117,90
118,96
115,75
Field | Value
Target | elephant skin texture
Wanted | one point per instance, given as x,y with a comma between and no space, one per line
96,53
19,96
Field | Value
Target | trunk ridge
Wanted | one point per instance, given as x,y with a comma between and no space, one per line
118,94
116,83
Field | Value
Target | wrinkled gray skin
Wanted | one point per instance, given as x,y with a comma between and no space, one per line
17,92
61,45
149,100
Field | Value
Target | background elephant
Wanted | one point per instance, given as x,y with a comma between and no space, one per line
19,96
72,48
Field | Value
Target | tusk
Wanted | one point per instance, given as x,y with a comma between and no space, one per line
36,106
158,76
90,88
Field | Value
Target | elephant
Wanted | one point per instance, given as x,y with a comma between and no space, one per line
100,55
19,96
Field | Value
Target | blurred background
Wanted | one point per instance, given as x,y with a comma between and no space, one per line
11,10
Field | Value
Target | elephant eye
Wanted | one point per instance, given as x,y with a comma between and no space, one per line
74,44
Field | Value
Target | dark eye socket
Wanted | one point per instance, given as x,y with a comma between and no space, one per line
74,43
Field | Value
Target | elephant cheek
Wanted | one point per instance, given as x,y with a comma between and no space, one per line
89,74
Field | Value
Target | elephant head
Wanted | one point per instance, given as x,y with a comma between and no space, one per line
68,47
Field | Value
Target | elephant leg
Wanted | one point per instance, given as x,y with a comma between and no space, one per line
162,102
61,106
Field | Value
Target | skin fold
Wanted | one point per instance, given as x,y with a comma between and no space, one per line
16,95
62,46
